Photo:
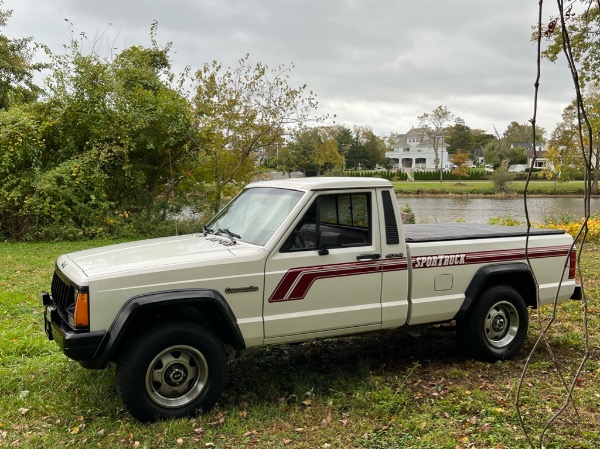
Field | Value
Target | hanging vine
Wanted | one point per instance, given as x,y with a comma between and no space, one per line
560,23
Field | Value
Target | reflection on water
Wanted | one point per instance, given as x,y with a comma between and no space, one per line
480,210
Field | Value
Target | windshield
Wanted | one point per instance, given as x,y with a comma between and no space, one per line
255,214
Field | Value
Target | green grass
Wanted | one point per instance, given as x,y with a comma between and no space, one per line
386,390
466,187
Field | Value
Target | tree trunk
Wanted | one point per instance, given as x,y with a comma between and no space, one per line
595,183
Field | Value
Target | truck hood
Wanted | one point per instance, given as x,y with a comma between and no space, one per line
153,254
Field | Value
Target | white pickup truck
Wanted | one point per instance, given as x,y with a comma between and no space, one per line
288,261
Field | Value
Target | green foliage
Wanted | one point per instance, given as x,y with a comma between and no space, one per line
69,201
583,31
462,138
239,112
505,221
501,177
20,159
16,68
123,113
312,150
366,150
390,175
433,175
110,137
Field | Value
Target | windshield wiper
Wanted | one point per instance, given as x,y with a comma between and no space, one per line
206,230
232,236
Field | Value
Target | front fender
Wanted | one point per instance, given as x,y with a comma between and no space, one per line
138,305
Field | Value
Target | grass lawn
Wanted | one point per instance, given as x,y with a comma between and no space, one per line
467,187
380,391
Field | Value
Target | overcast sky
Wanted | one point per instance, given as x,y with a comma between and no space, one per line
379,63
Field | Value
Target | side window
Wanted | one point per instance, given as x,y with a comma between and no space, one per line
338,220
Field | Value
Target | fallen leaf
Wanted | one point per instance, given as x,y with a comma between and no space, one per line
179,441
74,430
23,411
326,420
287,441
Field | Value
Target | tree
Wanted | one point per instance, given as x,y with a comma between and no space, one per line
584,35
20,149
435,124
328,156
124,111
462,138
344,141
584,38
240,111
461,169
566,137
16,68
553,166
523,133
512,146
313,150
367,150
109,137
501,177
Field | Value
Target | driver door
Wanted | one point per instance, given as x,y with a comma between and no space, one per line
325,279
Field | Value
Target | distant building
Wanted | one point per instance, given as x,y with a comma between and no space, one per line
541,160
414,151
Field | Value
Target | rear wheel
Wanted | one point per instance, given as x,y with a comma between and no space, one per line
171,371
496,326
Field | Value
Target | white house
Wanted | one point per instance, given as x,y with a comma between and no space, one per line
414,150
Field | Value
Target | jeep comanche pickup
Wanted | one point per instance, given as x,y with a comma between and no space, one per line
289,261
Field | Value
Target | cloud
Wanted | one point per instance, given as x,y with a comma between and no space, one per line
377,63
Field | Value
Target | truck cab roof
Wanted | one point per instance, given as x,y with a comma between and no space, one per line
323,183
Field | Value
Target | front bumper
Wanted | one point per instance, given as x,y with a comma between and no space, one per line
81,346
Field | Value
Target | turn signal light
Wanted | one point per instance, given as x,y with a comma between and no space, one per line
81,317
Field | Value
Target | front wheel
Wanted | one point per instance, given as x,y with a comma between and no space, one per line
496,326
171,371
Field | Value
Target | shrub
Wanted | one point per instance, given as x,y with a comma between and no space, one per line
501,177
572,228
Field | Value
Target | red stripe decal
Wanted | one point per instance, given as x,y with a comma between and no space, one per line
481,257
296,282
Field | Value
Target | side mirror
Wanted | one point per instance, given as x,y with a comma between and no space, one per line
328,240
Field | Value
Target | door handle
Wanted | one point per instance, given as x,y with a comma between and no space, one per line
368,257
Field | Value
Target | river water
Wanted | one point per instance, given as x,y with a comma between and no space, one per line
480,210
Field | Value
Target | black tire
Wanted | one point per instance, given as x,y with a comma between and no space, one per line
496,325
171,371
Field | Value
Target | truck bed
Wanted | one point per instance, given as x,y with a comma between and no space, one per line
436,232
